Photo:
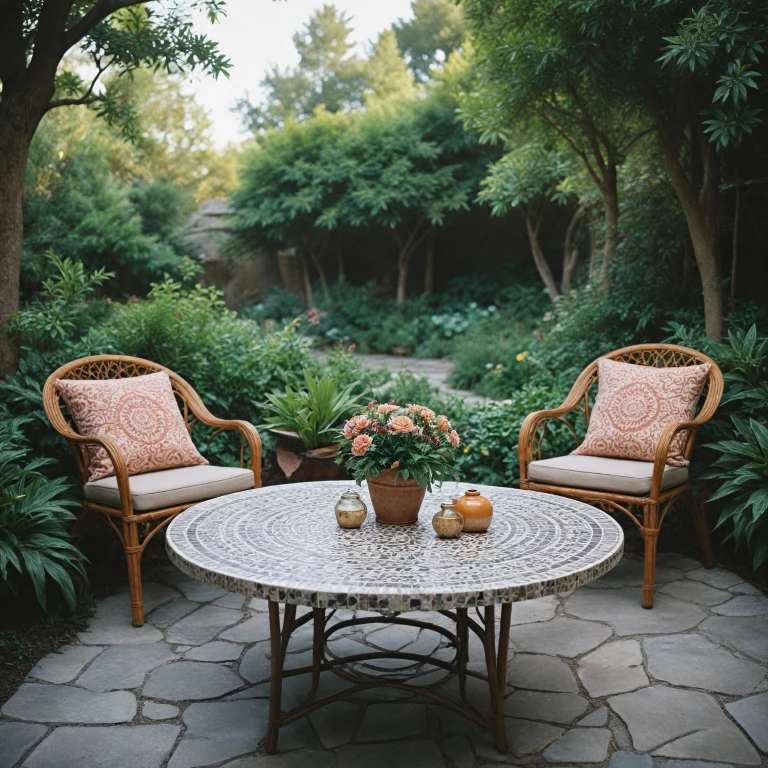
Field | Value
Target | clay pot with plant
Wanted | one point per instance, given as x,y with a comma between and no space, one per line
306,423
400,451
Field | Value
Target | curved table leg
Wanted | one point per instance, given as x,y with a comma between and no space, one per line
495,658
497,666
276,680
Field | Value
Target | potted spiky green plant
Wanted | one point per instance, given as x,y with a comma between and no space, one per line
307,422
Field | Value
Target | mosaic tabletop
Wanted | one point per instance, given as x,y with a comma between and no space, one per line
283,543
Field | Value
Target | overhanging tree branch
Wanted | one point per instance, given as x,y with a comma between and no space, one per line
102,10
87,97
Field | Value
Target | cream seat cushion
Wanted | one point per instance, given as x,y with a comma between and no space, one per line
601,474
170,487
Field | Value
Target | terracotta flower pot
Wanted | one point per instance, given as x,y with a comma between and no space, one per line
395,503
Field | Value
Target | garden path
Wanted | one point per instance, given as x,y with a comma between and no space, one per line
436,371
593,679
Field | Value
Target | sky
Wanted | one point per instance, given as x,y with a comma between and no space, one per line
257,33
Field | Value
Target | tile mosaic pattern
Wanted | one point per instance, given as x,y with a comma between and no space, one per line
283,543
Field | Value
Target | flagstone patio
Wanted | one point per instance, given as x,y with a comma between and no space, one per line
593,679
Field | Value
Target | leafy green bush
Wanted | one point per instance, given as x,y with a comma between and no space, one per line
492,359
230,361
34,522
739,464
407,388
490,431
743,462
279,305
61,312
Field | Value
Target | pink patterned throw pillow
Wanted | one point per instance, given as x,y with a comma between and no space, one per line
140,414
633,405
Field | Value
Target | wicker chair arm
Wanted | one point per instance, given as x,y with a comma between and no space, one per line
117,459
248,432
662,448
530,428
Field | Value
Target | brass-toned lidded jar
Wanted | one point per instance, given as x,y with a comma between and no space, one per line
448,523
351,510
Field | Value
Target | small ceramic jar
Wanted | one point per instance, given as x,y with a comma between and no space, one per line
448,522
476,510
350,510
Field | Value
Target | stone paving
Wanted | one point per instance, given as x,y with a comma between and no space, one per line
592,680
435,371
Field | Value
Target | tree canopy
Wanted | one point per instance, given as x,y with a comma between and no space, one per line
402,169
427,40
329,73
119,36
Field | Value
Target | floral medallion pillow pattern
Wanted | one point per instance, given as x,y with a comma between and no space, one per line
633,405
140,414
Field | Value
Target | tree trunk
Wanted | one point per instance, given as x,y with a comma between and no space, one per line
735,249
697,191
402,277
319,268
429,266
538,256
701,216
594,264
611,201
14,148
406,248
340,276
308,295
572,247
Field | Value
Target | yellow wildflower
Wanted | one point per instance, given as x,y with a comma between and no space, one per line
522,356
484,451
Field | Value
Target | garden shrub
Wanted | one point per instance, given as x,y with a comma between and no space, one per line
492,358
490,432
732,452
34,522
404,387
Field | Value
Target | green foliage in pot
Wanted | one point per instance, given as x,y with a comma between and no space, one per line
313,412
410,439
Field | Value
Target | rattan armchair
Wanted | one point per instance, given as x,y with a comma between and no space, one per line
136,527
647,507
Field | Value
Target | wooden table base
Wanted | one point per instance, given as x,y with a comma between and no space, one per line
484,627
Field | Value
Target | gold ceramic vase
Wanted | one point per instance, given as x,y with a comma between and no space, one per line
351,510
448,522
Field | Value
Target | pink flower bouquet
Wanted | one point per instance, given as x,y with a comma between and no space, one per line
411,440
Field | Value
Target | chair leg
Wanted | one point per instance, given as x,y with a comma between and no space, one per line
651,537
79,527
133,553
699,515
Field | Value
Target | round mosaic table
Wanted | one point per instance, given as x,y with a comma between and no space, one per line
282,543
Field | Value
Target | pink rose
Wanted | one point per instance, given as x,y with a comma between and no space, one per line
355,426
413,408
427,414
361,444
387,408
400,425
443,425
454,438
